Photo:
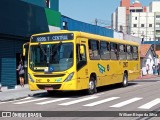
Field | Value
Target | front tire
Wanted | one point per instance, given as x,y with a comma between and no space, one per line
92,86
125,80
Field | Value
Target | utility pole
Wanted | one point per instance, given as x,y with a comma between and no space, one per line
96,21
154,31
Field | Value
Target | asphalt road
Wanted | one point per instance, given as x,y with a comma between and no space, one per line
140,101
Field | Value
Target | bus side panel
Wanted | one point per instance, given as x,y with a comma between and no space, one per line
116,71
134,70
105,78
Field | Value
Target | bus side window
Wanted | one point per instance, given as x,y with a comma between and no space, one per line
122,54
94,50
135,53
129,52
104,50
114,51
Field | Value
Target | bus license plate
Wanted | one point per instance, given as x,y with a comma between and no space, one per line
48,88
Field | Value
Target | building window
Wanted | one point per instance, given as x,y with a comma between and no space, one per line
157,24
134,25
150,25
132,11
135,18
142,25
158,17
139,10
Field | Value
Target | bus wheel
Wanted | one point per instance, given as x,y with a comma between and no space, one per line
125,80
92,86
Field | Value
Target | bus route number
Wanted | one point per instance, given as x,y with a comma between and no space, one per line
125,64
41,39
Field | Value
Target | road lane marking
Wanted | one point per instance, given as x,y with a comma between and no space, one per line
31,101
51,101
150,104
98,94
16,100
121,104
78,101
101,101
137,86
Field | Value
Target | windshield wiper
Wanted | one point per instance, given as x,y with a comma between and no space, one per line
55,48
42,49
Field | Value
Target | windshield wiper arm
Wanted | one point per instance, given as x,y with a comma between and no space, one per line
42,49
55,48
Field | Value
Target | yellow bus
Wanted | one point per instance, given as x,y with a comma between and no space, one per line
72,60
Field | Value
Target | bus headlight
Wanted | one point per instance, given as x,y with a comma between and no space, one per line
30,78
69,77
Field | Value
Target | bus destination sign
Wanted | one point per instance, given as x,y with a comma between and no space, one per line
52,37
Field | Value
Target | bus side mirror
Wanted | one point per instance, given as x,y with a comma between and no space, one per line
24,51
81,49
25,46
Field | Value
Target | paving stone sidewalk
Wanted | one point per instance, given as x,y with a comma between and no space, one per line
17,93
148,77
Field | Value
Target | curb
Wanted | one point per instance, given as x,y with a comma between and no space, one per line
18,98
11,99
143,78
34,94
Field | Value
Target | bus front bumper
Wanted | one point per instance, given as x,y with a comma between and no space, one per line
58,86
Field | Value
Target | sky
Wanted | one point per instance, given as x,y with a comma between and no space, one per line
89,10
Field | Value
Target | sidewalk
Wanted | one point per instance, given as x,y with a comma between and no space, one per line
18,93
147,77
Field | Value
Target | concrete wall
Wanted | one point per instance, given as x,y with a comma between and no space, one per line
145,32
132,38
118,35
113,21
121,19
154,6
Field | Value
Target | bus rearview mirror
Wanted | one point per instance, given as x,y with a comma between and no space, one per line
81,49
24,51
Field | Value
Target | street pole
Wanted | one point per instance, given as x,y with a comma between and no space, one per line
154,31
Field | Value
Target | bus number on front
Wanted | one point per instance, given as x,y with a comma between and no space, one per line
125,64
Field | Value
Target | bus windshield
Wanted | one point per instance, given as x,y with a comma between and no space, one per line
59,56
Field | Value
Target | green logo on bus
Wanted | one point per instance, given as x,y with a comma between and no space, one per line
101,68
58,80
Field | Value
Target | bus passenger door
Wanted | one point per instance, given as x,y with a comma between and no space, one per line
82,68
